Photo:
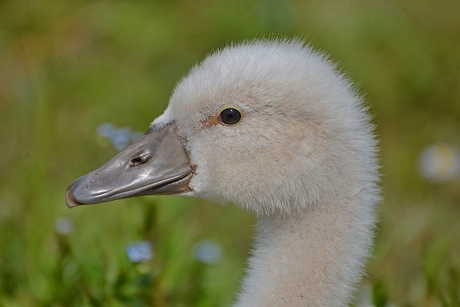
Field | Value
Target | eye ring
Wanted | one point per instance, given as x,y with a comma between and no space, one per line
230,116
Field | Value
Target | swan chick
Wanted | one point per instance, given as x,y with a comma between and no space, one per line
275,128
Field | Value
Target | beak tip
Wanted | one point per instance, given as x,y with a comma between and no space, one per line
70,199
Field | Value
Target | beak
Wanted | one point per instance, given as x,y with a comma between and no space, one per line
157,164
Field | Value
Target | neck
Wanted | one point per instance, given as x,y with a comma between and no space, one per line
313,258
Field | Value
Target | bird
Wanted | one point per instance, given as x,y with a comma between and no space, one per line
276,128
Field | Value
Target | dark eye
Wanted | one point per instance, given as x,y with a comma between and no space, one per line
230,116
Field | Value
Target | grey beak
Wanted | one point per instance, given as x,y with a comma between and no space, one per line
157,164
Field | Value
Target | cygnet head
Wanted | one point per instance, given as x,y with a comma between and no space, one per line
269,126
302,135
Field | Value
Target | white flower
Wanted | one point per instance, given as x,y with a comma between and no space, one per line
141,251
207,251
440,162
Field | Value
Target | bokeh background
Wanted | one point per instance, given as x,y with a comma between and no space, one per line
80,79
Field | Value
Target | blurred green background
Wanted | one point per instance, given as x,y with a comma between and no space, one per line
66,67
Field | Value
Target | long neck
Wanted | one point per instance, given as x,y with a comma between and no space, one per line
314,258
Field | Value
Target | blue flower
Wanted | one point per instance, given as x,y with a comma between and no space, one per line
119,137
63,226
141,251
106,130
207,251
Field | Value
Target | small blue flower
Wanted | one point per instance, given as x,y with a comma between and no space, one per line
63,226
141,251
120,138
207,251
106,130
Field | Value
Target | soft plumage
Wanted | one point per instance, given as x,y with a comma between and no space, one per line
302,157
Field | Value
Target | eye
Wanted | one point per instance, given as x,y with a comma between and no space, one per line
230,116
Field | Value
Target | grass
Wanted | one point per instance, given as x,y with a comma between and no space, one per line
68,66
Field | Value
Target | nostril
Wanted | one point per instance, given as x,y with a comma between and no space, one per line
141,159
136,161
